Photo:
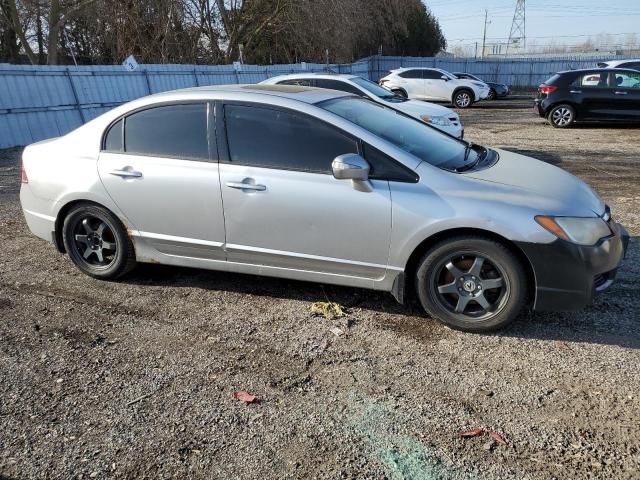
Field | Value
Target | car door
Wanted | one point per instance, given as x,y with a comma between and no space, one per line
626,91
283,207
593,96
157,167
412,81
435,87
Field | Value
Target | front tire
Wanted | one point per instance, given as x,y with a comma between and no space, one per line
97,242
492,94
463,98
562,116
471,283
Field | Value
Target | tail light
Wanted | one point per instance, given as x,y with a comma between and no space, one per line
382,81
547,89
23,175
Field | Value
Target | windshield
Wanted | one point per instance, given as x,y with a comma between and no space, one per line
372,87
411,135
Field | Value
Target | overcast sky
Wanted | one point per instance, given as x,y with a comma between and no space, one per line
462,20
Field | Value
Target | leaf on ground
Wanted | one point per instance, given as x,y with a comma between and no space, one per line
328,310
475,432
498,438
245,397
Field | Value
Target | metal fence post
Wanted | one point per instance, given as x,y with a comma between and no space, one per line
146,76
195,77
75,96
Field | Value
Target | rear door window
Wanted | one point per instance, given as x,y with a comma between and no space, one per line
176,131
283,139
415,73
593,79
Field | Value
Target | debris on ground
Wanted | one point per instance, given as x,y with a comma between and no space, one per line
245,397
481,432
336,331
329,310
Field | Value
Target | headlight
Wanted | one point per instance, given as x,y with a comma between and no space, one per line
478,84
580,230
440,121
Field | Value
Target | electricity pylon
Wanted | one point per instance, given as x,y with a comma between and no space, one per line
517,36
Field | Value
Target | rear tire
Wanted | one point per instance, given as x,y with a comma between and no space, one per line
400,93
462,98
97,242
471,283
562,116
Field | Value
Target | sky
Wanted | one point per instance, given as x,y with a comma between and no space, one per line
568,21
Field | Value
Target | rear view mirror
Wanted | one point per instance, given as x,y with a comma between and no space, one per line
350,166
445,78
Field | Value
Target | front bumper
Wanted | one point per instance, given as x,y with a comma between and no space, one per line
567,275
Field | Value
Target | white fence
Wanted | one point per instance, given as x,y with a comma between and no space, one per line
38,102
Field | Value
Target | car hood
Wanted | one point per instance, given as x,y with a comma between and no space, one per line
571,195
416,108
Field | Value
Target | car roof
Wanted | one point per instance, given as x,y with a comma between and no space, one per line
345,76
597,69
309,95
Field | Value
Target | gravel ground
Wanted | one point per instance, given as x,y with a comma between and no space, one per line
135,378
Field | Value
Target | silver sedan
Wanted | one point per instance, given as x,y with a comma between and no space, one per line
322,186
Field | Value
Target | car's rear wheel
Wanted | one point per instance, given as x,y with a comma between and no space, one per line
400,92
562,116
471,283
463,98
97,242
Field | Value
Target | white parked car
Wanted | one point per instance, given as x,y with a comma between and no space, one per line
632,64
435,84
440,117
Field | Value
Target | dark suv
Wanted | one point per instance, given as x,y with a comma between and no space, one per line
596,94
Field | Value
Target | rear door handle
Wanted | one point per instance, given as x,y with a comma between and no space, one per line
245,185
575,91
126,172
620,93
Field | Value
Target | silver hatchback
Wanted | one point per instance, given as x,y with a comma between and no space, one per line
322,186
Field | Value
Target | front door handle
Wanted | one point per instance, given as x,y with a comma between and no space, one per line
126,172
620,93
246,185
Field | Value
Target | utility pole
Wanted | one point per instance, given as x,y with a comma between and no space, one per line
484,37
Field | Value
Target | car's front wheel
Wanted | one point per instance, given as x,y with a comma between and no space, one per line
471,283
492,94
97,242
463,98
562,116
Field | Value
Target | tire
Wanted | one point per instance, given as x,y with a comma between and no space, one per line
562,116
492,95
462,98
97,242
400,93
458,289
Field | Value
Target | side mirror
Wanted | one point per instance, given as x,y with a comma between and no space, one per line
445,78
350,166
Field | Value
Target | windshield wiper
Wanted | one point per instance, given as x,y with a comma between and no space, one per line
467,150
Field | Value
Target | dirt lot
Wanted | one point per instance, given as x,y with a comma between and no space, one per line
135,378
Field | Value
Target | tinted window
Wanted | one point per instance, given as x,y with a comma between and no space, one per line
384,167
628,80
271,138
411,74
178,131
337,85
432,74
411,135
113,140
633,65
302,82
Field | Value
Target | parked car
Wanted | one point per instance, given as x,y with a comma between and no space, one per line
435,84
324,186
438,116
496,90
632,64
592,94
